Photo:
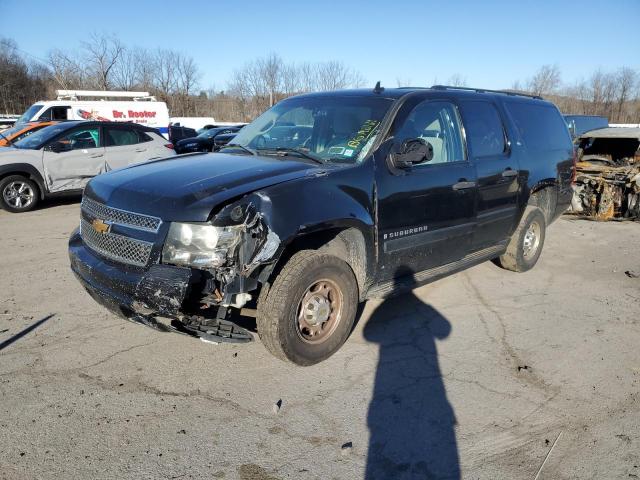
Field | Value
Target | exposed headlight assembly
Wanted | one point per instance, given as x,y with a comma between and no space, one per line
199,244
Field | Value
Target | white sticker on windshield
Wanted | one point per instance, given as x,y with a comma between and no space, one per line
348,152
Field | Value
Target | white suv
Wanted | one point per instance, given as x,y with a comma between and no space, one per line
62,158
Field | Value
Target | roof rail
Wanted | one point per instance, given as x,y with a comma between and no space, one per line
74,94
485,90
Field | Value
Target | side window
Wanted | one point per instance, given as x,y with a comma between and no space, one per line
540,126
484,129
438,123
46,115
82,138
54,113
119,137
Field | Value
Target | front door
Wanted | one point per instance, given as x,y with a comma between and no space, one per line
497,170
426,213
72,160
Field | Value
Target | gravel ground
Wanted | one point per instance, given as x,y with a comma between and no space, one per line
482,375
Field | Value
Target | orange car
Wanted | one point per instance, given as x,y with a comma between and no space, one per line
15,133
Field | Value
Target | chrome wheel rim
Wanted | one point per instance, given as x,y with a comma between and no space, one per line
319,311
531,240
18,194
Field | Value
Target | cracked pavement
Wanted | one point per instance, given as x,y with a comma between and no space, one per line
474,376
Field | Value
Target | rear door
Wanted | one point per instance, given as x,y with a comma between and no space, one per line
426,213
497,172
123,146
81,158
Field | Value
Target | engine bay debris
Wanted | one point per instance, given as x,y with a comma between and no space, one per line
607,182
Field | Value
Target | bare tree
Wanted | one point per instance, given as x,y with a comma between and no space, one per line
269,73
68,71
545,81
403,82
457,80
626,79
102,53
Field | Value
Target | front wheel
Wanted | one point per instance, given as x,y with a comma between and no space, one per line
18,194
526,243
308,312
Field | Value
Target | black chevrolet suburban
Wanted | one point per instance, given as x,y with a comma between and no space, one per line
324,201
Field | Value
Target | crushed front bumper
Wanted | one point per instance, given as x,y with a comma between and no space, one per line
129,292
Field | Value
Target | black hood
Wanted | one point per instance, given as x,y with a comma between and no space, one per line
188,188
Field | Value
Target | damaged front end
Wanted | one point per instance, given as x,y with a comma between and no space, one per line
607,181
188,282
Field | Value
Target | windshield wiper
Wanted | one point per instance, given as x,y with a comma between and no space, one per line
286,150
241,147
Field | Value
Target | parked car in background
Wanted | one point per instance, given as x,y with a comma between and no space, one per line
579,124
7,121
17,132
324,201
177,133
197,123
221,124
136,107
62,158
224,139
205,141
607,184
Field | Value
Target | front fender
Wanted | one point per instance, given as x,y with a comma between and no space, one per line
277,217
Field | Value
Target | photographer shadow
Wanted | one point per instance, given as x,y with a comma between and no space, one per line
410,419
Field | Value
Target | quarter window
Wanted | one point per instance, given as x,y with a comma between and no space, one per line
438,123
540,126
483,127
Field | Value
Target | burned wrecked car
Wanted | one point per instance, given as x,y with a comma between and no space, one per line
322,202
607,185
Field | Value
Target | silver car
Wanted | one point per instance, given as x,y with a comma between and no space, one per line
62,158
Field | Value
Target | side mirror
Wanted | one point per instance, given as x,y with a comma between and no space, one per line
413,151
58,147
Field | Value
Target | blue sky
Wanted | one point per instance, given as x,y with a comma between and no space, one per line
490,43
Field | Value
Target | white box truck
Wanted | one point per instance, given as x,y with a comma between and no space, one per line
136,107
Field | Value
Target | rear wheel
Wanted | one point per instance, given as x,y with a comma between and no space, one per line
307,313
526,243
18,194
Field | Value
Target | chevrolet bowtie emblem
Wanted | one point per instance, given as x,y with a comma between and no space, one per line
101,226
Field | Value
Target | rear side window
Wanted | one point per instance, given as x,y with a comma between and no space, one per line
484,129
118,137
540,126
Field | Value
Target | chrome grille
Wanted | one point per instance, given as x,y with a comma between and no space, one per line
116,247
121,217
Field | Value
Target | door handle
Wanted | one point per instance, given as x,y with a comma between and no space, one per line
96,155
463,185
141,150
509,173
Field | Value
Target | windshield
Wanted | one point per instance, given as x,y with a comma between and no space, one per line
42,136
329,128
209,133
28,115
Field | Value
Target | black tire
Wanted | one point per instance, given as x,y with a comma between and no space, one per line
21,190
524,250
279,308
